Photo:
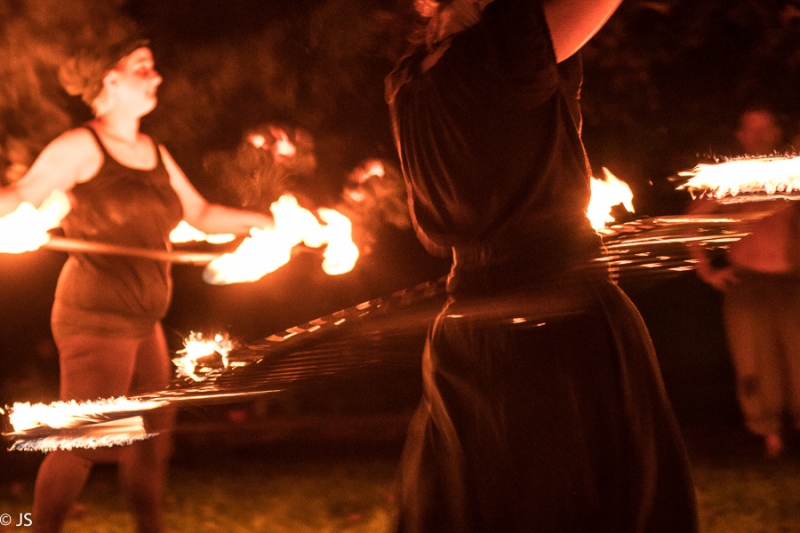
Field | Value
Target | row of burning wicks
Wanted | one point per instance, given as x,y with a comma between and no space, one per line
641,247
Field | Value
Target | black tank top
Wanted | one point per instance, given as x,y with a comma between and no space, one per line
116,295
489,143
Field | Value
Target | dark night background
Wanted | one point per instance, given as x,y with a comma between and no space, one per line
665,82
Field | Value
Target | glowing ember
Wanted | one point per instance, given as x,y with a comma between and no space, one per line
197,347
282,147
267,250
768,175
184,232
26,229
258,140
605,195
59,415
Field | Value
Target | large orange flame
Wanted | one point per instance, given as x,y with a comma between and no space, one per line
267,250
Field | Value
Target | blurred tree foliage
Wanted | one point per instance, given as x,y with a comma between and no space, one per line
665,79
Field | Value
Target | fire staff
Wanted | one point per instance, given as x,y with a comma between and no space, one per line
124,190
553,424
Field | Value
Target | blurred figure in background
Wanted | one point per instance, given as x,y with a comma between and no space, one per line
759,133
759,277
760,281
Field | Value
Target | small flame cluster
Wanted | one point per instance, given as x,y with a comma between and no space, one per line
281,148
607,194
197,347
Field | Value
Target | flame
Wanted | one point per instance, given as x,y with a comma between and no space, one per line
605,195
368,170
184,232
61,415
26,229
257,140
197,347
341,254
97,435
752,175
282,147
267,250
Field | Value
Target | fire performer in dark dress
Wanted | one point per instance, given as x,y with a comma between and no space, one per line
543,407
126,190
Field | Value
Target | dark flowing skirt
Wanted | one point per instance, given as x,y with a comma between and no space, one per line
544,411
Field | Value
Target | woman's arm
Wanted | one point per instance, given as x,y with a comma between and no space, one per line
209,218
573,22
70,158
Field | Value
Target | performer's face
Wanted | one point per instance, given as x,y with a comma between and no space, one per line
136,81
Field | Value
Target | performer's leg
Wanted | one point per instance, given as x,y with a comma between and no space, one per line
91,367
58,483
791,351
750,328
143,465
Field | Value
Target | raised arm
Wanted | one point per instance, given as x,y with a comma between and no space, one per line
70,158
573,22
209,218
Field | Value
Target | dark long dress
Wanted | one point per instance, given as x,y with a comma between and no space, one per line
543,406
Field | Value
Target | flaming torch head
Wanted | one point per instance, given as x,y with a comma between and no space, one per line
758,175
267,250
68,425
605,195
26,229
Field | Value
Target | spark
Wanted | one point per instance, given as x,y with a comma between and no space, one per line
197,347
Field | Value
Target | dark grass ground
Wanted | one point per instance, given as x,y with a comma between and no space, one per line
309,465
221,484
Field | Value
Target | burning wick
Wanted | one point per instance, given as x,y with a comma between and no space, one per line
605,195
26,229
768,175
197,347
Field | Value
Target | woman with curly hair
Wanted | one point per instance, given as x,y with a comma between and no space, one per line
124,189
